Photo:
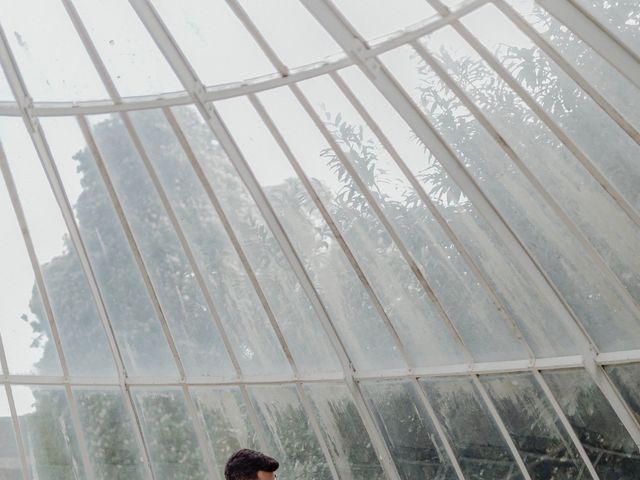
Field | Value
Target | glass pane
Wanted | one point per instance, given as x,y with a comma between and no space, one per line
194,332
24,328
610,448
608,146
48,51
621,16
136,65
476,441
544,445
476,318
291,440
627,379
305,336
169,434
243,317
47,433
81,331
575,190
224,414
345,435
10,466
5,89
216,43
376,18
591,296
347,301
597,71
417,320
407,430
544,332
107,429
141,341
291,31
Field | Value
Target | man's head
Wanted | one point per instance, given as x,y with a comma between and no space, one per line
248,464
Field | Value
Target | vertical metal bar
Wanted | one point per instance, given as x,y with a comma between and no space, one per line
332,226
597,35
571,145
195,88
566,424
439,430
426,200
545,46
4,368
408,257
501,426
506,147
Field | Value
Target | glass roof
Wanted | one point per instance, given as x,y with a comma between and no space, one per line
375,240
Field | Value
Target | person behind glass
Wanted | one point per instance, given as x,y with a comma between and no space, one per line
248,464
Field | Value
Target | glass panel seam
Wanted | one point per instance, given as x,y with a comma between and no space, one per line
598,36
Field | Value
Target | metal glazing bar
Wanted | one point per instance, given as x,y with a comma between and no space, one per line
17,207
566,424
506,147
572,146
194,86
150,290
597,35
275,133
501,426
4,368
406,255
341,31
439,430
426,200
545,46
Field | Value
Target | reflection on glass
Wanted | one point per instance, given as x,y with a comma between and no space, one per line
224,415
544,445
476,441
10,466
297,319
243,317
291,31
523,302
415,316
192,327
407,430
593,298
134,62
607,146
345,435
597,71
621,16
49,52
169,434
610,448
376,18
468,306
76,316
137,330
291,440
216,43
47,433
108,431
347,301
627,379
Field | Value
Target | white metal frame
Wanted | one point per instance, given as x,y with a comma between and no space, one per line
356,52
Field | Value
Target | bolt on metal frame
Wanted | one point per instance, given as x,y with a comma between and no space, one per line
358,53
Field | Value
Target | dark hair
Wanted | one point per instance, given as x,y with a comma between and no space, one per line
245,464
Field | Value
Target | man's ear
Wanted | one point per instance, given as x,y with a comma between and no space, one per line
262,475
